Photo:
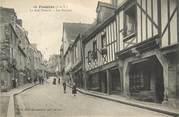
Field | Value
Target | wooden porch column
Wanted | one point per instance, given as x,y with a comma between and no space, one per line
172,89
178,81
126,79
85,83
120,69
108,82
170,78
164,64
85,80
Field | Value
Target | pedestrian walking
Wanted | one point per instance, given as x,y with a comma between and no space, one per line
39,79
74,91
16,80
29,79
42,80
64,87
54,81
59,81
35,80
14,83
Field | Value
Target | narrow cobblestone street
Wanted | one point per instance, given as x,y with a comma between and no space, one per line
49,101
117,58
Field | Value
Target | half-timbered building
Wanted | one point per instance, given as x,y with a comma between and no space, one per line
77,53
100,46
147,49
72,52
134,51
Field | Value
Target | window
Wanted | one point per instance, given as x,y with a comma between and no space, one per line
139,81
103,43
130,21
103,40
94,49
89,56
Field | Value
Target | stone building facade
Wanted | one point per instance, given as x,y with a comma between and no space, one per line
16,59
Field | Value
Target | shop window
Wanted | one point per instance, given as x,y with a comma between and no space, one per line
95,50
130,21
89,56
139,81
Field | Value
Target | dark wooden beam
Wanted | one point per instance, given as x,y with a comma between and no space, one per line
168,22
115,35
111,43
159,21
107,36
146,20
152,17
141,23
168,9
112,37
119,33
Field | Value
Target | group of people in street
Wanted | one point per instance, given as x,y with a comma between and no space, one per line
74,90
41,80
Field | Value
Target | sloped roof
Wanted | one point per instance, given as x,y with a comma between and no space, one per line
104,4
97,27
73,29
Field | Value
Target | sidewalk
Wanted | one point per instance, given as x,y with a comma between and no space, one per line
12,91
7,100
145,105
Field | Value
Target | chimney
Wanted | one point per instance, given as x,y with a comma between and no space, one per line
104,11
19,22
26,32
114,3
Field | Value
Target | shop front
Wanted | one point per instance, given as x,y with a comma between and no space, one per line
78,78
105,81
115,81
146,80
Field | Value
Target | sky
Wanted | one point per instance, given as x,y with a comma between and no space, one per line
43,19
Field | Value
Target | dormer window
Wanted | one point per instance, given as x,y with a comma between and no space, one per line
130,21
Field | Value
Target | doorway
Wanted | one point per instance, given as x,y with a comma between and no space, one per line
146,80
115,81
103,81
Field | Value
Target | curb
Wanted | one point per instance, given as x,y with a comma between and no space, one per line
11,106
163,111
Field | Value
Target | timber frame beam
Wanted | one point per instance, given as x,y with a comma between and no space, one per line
168,24
147,15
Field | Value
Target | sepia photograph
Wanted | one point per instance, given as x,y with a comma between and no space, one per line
89,58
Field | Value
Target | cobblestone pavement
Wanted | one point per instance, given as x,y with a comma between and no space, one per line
49,101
